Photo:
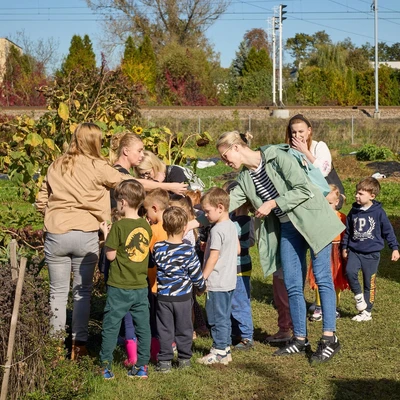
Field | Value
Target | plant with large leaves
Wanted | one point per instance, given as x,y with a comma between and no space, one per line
100,96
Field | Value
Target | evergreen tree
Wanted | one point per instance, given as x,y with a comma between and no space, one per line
238,62
81,55
257,61
130,52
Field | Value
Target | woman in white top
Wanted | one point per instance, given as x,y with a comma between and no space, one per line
299,137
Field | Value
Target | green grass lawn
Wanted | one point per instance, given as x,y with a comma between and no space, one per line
367,367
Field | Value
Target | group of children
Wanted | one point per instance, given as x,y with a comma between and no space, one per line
155,274
158,262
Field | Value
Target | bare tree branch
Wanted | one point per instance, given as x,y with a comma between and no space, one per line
183,21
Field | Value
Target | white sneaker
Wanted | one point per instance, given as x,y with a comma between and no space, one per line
228,353
215,357
363,316
361,305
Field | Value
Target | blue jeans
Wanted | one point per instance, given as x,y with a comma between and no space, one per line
218,308
293,256
242,321
78,252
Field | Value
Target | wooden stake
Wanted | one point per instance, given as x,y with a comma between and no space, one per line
13,259
13,328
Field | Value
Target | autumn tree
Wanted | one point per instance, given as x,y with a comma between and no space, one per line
165,21
186,76
139,64
42,50
81,55
258,39
23,75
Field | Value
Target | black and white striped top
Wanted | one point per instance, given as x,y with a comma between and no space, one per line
265,188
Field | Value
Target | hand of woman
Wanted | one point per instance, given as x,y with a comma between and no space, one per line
178,188
299,145
265,209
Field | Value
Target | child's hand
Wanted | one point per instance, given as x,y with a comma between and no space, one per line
395,255
105,227
345,253
200,292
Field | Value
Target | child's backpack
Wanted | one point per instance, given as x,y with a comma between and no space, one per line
194,182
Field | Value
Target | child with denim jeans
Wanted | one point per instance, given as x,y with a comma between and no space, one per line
127,247
220,272
178,270
241,318
367,227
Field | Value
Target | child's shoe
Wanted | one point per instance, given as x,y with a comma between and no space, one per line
245,344
228,353
131,352
107,374
363,316
279,337
154,349
78,350
361,305
139,372
164,367
295,346
326,350
312,308
184,363
317,315
215,357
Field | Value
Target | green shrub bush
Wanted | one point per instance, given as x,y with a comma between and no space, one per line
370,152
39,369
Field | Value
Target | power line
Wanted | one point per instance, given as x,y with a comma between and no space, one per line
364,12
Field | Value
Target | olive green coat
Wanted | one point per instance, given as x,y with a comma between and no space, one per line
302,201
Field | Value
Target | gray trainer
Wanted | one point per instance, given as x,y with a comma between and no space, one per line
164,366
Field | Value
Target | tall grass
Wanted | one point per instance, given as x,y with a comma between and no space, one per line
338,133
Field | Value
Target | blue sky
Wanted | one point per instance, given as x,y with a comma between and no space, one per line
61,19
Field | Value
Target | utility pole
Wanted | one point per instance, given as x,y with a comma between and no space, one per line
272,28
377,114
281,19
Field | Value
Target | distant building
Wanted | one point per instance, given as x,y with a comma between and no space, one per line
391,64
5,46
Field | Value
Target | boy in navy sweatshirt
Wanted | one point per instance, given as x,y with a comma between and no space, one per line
178,269
367,226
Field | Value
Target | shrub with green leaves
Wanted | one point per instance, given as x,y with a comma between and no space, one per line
370,152
39,369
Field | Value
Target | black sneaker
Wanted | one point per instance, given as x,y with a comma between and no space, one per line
294,346
325,351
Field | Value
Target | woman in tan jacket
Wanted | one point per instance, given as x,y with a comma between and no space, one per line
75,199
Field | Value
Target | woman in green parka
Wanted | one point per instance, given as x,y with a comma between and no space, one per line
292,215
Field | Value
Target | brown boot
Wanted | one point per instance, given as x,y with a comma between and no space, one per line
78,350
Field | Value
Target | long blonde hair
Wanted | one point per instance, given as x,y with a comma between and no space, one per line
85,141
150,161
